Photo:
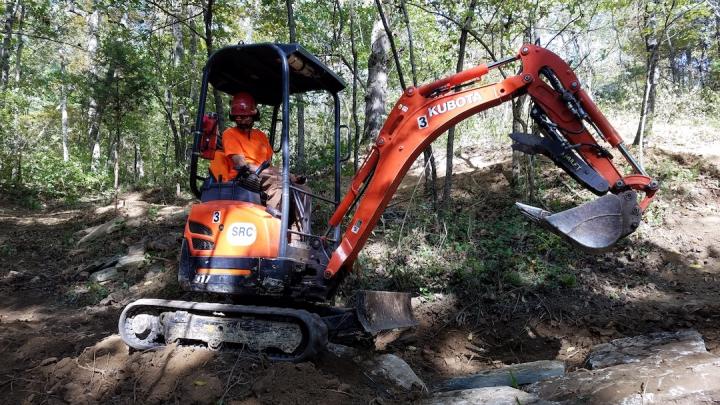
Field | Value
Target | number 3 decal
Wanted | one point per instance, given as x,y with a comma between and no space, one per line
216,217
422,122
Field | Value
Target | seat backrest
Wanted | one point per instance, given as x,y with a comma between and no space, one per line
212,191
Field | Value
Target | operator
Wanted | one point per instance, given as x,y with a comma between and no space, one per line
245,148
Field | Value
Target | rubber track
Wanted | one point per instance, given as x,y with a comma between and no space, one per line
315,331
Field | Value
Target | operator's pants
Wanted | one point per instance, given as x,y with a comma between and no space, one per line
272,186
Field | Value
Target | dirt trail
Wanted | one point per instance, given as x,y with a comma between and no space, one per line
57,330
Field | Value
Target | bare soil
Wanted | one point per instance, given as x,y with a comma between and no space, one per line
58,340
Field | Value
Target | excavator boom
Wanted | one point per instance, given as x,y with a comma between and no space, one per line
563,112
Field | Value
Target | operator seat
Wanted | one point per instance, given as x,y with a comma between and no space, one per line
213,190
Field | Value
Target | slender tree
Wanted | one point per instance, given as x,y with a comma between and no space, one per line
447,187
376,82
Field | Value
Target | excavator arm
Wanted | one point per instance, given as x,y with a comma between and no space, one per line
563,112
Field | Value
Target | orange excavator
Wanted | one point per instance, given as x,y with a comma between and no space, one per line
282,278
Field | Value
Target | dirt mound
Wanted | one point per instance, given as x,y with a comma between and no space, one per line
107,372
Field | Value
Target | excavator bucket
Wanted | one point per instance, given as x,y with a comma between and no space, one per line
594,226
379,311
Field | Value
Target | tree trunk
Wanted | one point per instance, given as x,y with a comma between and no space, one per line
428,156
20,45
717,33
116,151
7,42
652,42
356,122
192,93
647,107
391,40
93,22
518,125
63,109
173,128
376,82
208,16
447,187
299,101
139,165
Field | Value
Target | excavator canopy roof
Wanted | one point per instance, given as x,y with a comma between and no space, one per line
257,69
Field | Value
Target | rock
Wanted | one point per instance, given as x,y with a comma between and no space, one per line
83,275
47,361
99,265
130,262
516,374
663,345
395,370
101,230
110,299
714,252
655,368
484,396
688,379
341,351
165,243
137,249
12,274
75,252
104,275
35,279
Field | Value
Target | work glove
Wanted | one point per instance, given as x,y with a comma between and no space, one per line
242,170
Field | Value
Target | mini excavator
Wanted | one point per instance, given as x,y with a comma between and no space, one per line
282,278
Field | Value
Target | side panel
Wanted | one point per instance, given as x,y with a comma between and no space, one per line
232,229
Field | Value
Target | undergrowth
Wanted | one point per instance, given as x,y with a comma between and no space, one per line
483,244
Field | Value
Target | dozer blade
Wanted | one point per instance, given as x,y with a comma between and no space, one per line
379,311
594,226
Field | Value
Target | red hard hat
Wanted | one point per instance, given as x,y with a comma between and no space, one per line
243,104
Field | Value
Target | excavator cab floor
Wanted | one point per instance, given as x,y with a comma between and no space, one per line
594,226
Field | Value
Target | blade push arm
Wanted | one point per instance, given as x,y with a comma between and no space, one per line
423,114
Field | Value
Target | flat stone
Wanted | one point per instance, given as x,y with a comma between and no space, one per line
484,396
136,249
104,275
516,374
665,345
687,379
345,352
104,229
395,370
99,265
130,262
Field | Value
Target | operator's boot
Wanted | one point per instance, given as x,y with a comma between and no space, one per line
594,226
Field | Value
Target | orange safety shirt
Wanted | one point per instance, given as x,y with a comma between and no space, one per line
255,148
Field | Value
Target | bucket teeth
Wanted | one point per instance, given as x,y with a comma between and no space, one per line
535,214
594,226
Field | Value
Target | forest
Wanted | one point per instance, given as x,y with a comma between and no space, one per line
102,96
98,108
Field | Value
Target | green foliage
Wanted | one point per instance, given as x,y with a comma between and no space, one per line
50,177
